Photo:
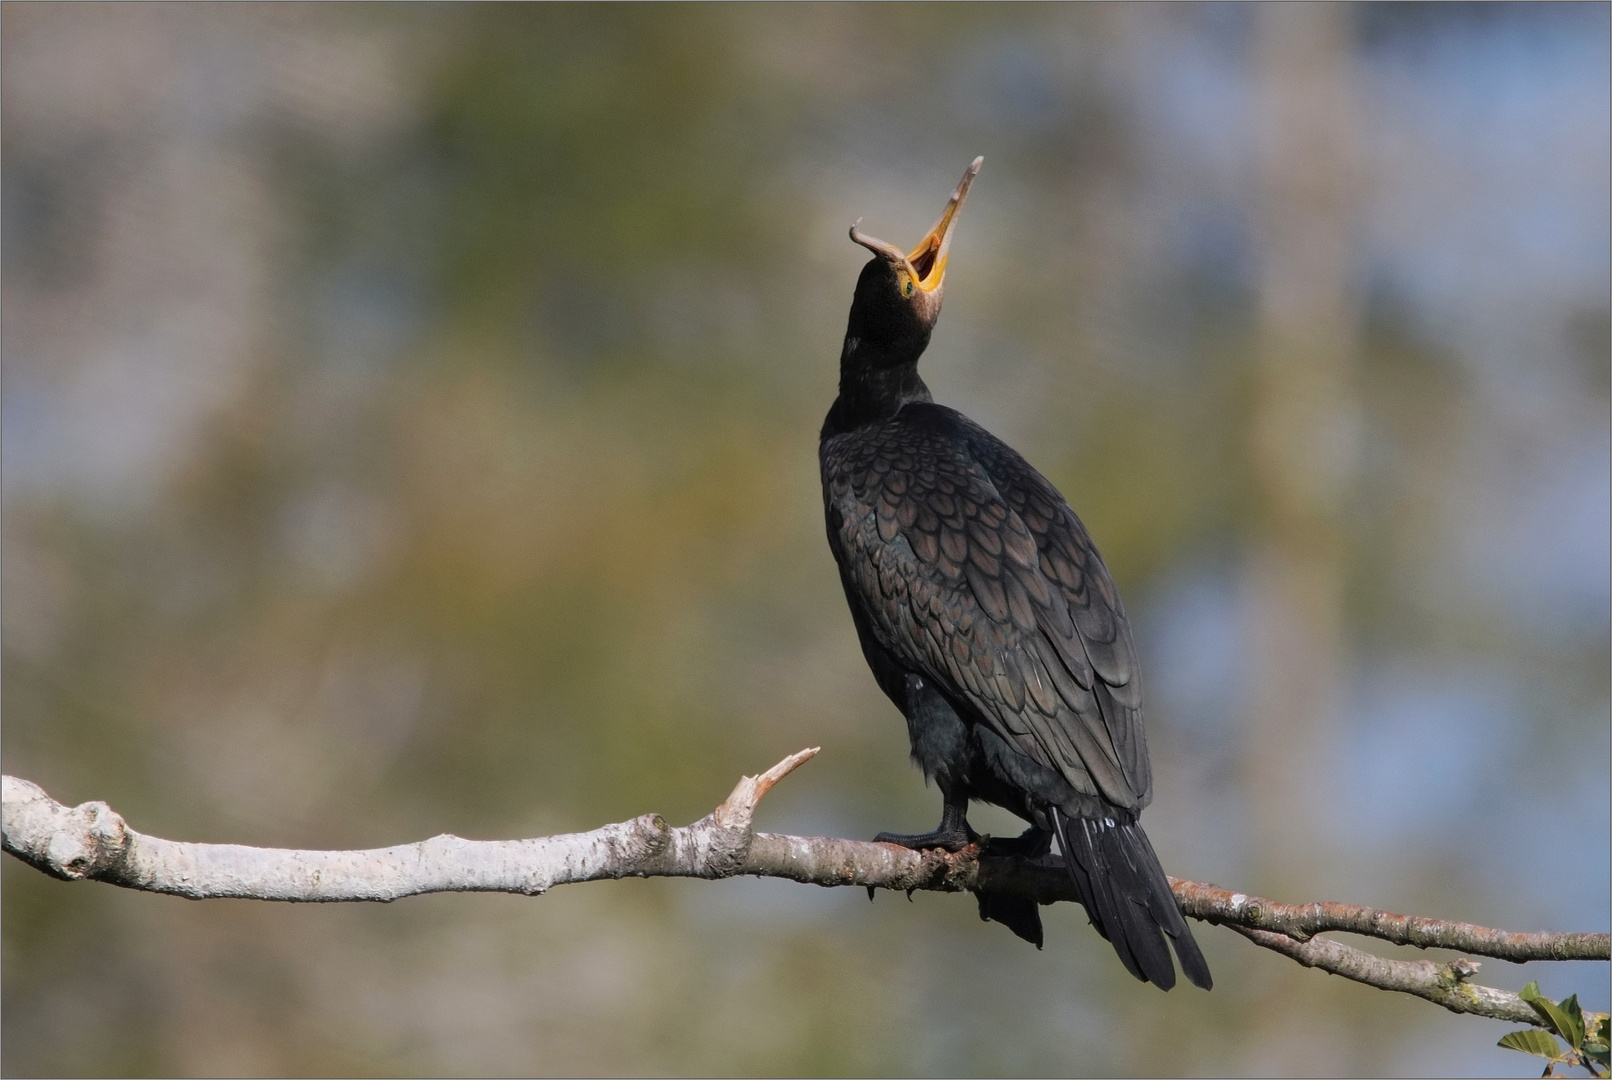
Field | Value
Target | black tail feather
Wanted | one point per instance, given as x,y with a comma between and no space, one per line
1091,878
1193,965
1125,893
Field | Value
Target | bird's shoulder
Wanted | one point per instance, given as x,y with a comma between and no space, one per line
911,485
920,436
936,474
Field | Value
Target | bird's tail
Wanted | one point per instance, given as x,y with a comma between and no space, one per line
1127,897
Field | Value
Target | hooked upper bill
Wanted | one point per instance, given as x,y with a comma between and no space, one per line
926,262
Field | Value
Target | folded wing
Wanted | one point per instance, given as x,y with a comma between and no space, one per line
975,571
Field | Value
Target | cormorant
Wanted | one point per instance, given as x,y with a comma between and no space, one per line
989,619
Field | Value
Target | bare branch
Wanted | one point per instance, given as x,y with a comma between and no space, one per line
92,842
1303,921
1442,984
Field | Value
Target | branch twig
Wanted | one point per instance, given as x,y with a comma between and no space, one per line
92,842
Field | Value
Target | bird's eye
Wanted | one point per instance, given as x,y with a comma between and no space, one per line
907,287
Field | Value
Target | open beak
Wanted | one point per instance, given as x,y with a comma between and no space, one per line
926,262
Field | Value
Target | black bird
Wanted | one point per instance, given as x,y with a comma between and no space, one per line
989,619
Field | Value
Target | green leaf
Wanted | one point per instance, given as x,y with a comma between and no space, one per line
1533,1041
1555,1017
1575,1016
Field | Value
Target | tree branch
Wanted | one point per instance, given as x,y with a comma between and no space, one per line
1442,984
92,842
1303,921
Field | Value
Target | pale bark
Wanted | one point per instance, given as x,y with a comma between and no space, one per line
92,842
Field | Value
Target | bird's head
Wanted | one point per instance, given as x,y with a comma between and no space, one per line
899,293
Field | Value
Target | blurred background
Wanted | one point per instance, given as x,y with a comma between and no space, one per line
409,426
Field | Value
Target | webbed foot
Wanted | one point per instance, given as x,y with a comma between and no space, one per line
953,834
949,839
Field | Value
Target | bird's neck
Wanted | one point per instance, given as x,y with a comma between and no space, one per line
873,388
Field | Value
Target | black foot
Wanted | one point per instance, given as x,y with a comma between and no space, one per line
950,839
1033,843
953,834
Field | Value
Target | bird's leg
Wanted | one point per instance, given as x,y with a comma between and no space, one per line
954,833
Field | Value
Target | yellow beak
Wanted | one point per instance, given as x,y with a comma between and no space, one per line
926,262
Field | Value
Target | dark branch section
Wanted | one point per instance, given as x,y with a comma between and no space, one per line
92,842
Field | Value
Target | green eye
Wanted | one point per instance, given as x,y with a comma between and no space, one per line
908,288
